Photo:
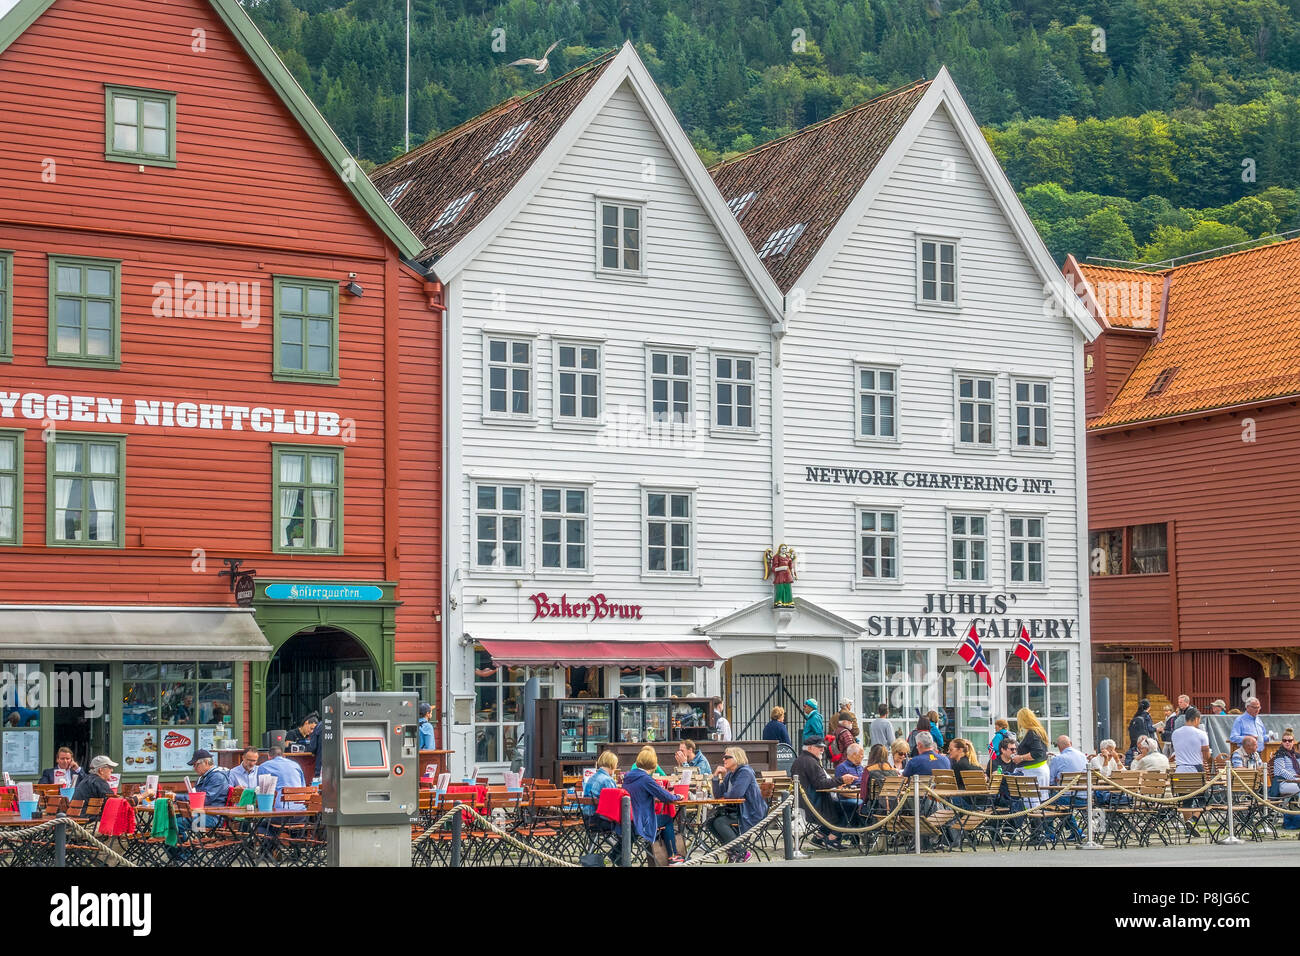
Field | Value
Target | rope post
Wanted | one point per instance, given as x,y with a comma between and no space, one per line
457,825
787,830
1092,844
1232,823
916,812
61,839
625,829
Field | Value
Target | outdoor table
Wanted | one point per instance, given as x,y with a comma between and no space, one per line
259,844
692,833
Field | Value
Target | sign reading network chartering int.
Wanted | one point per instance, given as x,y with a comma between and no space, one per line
324,592
943,481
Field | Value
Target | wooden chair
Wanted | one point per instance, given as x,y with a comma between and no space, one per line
944,779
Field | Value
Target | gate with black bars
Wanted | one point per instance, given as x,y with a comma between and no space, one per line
754,695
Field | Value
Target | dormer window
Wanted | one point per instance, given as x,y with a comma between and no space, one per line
452,212
781,241
508,140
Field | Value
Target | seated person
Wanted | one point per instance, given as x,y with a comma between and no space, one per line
688,755
287,774
1286,766
814,781
63,761
245,774
1246,757
606,767
1108,759
95,784
848,772
1149,756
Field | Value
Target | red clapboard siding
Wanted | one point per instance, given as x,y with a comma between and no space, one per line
1233,504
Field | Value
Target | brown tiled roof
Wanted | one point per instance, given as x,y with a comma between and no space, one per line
1232,332
455,164
809,178
1127,298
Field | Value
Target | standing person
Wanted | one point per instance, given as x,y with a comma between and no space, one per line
881,730
1031,748
245,775
63,761
1140,726
1218,707
302,733
425,726
1249,723
846,707
936,722
844,738
775,728
1176,719
814,781
644,790
1191,743
721,726
922,727
734,780
813,726
1000,729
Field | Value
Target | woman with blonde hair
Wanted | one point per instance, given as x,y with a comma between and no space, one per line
1031,748
776,729
739,783
899,752
644,790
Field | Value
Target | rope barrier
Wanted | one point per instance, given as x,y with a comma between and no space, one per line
755,831
73,828
840,828
1150,798
1028,811
510,838
1279,807
436,825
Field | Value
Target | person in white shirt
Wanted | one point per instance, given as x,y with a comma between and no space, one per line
1107,760
721,726
1191,743
1150,757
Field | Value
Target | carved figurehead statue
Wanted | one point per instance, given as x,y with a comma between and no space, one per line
780,567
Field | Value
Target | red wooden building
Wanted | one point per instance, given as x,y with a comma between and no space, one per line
213,349
1193,404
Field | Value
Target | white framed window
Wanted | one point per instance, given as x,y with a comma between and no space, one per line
498,525
737,204
509,377
1027,549
781,241
734,380
1050,700
499,705
899,677
657,682
936,271
452,212
1031,420
620,234
878,546
508,140
564,517
578,370
398,191
968,547
669,531
877,409
975,403
671,386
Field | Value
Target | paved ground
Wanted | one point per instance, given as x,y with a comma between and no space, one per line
1284,852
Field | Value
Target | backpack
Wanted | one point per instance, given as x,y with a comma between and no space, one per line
1136,728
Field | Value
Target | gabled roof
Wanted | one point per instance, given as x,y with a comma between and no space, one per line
496,191
18,16
829,180
762,619
457,163
809,177
1231,337
1121,298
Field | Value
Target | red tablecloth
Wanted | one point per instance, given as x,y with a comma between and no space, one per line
477,796
118,818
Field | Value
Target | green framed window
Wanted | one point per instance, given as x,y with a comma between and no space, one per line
6,306
306,330
139,126
308,506
85,490
11,487
85,312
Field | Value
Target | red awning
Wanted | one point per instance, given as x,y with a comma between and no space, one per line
581,653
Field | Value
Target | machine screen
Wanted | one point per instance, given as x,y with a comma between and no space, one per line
365,753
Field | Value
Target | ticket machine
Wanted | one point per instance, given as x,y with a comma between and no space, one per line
369,781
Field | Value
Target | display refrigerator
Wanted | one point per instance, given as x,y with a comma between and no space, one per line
644,721
584,726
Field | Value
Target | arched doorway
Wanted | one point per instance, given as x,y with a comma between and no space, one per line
759,682
308,667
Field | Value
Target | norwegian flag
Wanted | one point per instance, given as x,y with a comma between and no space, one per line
973,654
1025,651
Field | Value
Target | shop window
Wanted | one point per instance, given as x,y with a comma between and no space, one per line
306,330
85,312
171,709
85,490
1137,549
20,735
657,682
140,126
308,498
11,487
1049,701
899,677
499,706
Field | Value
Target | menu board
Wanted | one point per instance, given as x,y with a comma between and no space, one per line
22,751
177,748
208,739
139,750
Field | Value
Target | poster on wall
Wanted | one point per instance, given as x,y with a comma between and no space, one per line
177,749
22,751
208,739
139,750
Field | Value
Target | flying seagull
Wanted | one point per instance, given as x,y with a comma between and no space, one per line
541,64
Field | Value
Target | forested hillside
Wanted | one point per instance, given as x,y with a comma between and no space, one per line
1132,128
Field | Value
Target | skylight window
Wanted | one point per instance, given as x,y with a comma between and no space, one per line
398,191
737,205
508,140
452,212
1162,381
781,241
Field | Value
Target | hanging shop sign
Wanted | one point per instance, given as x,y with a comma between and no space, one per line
930,480
597,607
324,592
947,615
245,586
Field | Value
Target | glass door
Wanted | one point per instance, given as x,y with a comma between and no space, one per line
967,701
